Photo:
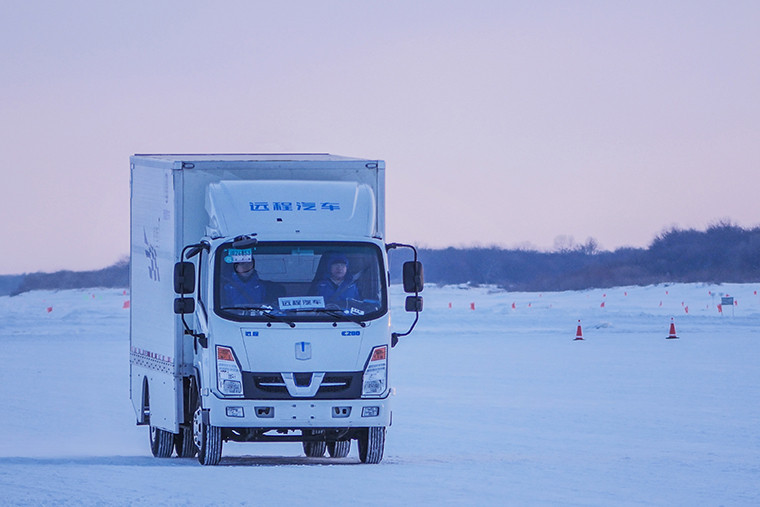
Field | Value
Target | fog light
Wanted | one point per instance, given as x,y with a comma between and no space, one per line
235,412
370,411
266,412
341,411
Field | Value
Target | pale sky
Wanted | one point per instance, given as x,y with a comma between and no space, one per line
501,123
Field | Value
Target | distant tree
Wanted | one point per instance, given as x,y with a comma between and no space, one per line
564,243
590,247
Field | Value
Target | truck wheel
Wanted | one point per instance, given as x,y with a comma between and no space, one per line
161,442
339,449
208,440
314,449
372,444
184,442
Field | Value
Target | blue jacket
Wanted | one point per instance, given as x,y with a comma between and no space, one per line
337,294
239,292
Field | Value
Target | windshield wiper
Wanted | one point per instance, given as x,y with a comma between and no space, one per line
264,309
342,316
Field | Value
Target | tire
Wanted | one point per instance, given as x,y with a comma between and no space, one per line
339,449
184,443
208,440
372,444
161,442
314,449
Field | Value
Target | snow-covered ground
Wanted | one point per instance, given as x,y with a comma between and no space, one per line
494,406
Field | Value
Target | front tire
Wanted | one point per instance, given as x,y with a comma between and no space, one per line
372,445
208,440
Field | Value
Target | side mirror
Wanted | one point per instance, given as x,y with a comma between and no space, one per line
414,304
184,278
414,279
183,306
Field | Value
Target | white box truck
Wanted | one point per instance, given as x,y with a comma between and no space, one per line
260,302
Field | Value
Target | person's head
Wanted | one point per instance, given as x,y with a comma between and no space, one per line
244,269
338,267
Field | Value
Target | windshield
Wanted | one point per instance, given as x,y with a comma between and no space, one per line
298,281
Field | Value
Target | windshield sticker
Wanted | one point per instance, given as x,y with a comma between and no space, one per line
356,311
236,255
302,303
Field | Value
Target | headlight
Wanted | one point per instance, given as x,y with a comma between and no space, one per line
229,378
376,372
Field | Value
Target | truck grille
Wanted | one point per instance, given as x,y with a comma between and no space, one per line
270,386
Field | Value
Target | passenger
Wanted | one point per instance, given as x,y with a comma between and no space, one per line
244,287
336,287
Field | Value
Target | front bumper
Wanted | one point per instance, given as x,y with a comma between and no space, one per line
297,413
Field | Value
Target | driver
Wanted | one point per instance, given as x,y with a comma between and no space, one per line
244,287
336,287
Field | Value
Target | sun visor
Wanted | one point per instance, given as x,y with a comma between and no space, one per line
286,207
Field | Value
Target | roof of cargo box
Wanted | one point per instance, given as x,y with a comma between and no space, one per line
244,157
243,160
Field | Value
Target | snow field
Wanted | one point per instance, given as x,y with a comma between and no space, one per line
494,406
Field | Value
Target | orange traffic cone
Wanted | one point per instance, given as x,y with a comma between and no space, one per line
672,334
579,332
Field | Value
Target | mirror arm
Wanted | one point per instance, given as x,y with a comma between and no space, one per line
193,251
391,246
396,336
200,336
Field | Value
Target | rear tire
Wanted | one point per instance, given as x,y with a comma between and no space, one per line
314,449
208,440
161,442
339,449
184,444
372,445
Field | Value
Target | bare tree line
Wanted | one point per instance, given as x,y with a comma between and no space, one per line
722,253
